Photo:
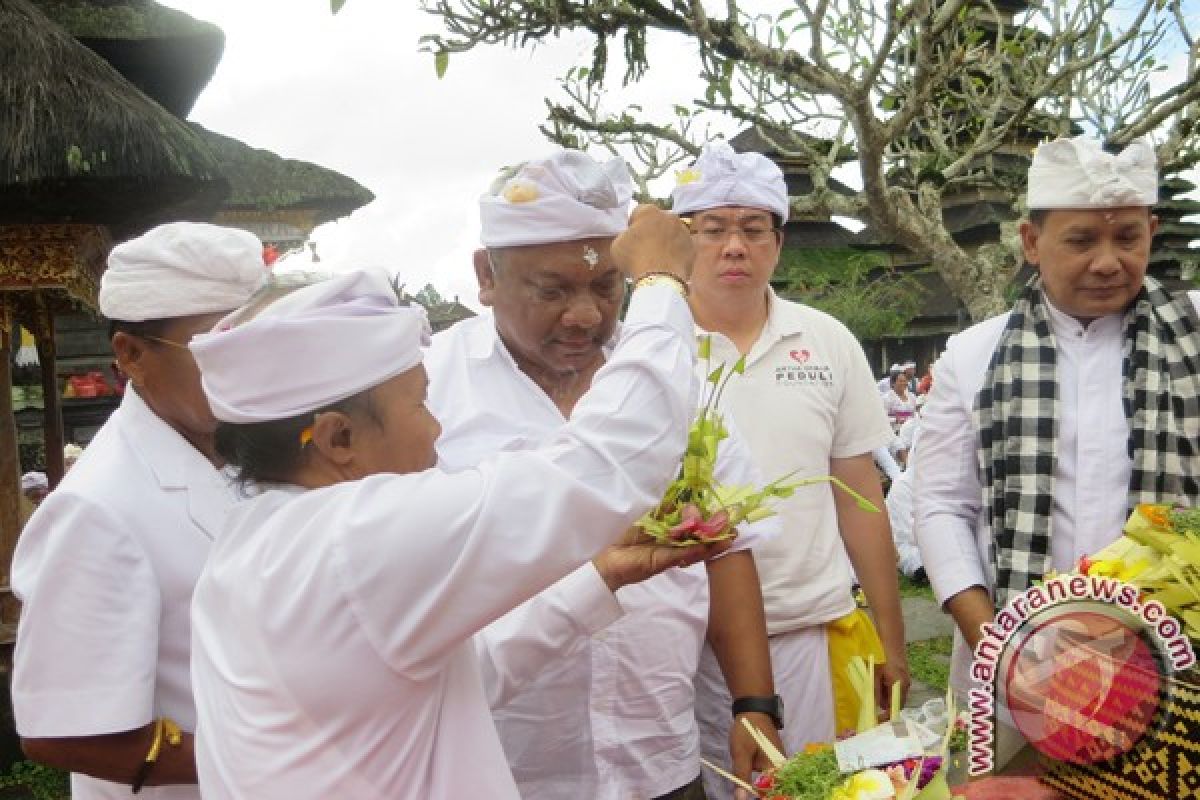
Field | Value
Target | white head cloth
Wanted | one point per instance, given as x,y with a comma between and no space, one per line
564,197
1077,173
34,480
311,348
722,177
181,269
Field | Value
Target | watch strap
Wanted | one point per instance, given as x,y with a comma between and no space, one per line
771,706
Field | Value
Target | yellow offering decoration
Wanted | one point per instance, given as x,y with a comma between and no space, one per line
862,678
520,193
1160,555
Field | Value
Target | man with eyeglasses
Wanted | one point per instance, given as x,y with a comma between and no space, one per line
607,713
106,567
807,404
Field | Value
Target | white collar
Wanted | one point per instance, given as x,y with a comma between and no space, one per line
1065,325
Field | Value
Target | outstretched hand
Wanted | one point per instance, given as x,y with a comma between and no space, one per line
635,557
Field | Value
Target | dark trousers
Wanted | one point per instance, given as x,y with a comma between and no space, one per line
689,791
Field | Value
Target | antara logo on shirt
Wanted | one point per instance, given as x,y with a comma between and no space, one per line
803,368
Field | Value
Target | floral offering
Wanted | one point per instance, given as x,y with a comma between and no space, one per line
695,508
818,774
1159,553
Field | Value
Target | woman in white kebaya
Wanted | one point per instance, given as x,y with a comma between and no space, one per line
332,625
899,401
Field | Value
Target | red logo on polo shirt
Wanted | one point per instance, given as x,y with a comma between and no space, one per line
804,369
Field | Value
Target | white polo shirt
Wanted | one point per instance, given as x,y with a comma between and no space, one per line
807,396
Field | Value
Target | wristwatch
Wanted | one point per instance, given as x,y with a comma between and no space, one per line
771,706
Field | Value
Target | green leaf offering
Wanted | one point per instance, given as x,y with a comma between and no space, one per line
695,508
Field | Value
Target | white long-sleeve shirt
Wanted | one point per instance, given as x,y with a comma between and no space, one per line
606,716
1091,479
332,629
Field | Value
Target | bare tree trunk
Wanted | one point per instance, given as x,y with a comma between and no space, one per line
977,279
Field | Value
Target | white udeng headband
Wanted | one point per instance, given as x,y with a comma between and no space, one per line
1077,173
723,177
181,269
311,348
558,199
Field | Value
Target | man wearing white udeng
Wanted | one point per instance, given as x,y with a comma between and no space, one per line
611,715
106,566
333,625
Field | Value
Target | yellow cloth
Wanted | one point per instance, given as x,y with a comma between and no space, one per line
849,636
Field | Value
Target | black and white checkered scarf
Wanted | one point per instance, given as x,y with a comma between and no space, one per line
1017,410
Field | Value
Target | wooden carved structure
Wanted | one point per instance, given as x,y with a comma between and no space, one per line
86,158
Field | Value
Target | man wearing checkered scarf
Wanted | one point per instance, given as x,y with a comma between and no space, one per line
1047,423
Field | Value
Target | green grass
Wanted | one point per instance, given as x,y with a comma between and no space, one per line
38,782
929,661
910,589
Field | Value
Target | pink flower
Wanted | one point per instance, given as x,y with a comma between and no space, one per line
714,526
690,520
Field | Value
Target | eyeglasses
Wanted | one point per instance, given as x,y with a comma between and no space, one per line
753,234
160,340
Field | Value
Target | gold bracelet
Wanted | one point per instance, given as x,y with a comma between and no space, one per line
659,278
164,728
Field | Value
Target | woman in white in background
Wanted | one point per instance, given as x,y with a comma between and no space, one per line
899,403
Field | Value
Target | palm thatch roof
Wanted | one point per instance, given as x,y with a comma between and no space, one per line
260,180
167,54
83,144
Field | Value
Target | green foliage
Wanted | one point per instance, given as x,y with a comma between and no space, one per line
1185,520
809,776
429,296
42,782
336,5
441,60
857,287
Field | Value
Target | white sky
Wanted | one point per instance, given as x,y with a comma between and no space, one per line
351,92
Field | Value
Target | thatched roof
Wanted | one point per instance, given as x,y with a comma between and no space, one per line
262,181
123,19
81,143
167,54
